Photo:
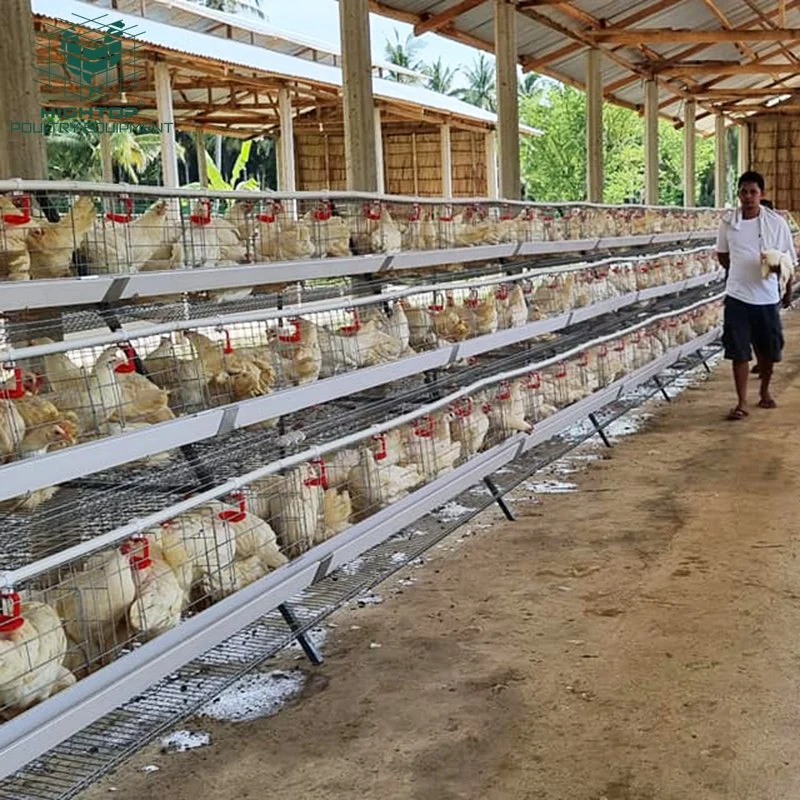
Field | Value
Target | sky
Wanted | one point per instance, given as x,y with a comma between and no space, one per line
320,20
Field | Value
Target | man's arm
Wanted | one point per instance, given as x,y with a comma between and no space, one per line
723,256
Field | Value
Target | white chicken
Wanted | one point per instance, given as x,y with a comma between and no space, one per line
420,231
365,346
512,310
506,409
92,602
430,447
12,430
469,426
254,537
297,353
373,485
32,650
113,245
52,244
771,259
330,233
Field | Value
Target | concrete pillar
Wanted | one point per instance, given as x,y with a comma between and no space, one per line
106,162
651,142
447,161
689,154
505,48
744,147
379,164
594,128
166,121
491,165
287,181
202,166
720,167
359,119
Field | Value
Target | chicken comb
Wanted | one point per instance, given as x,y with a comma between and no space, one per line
19,389
13,621
127,216
130,353
504,392
323,212
140,559
275,208
416,213
425,427
463,408
23,202
370,211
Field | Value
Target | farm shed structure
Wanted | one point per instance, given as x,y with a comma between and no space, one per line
204,82
703,64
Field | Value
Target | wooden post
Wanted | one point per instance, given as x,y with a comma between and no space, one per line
594,127
491,165
359,120
202,166
166,121
287,181
744,147
414,164
379,166
689,154
106,162
720,167
651,142
447,161
505,48
22,153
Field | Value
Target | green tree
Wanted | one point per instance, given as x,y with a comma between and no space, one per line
252,7
554,164
480,90
529,83
403,53
440,77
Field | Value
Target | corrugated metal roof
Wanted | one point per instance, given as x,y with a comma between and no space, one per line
190,15
552,39
269,62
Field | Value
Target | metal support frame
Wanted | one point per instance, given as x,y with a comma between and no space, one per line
26,475
309,648
599,428
43,726
499,499
661,388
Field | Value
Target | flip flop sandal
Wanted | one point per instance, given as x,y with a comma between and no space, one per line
737,413
767,403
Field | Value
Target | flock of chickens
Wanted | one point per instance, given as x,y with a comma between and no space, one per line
145,586
168,236
51,402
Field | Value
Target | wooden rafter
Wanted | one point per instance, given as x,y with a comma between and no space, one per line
433,22
744,49
685,35
690,68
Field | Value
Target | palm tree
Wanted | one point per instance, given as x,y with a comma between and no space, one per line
440,77
529,83
480,90
249,7
403,54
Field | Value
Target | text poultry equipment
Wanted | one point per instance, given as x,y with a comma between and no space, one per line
119,243
559,298
43,726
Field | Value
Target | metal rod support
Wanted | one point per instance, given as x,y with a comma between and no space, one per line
499,499
661,388
309,648
599,428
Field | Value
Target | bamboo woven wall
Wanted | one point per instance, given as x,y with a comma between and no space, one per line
411,156
775,153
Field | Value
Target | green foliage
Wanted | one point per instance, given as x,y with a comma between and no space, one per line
554,164
440,77
220,184
403,53
480,89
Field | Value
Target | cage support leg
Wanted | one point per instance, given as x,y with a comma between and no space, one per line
499,499
309,648
599,428
707,368
661,388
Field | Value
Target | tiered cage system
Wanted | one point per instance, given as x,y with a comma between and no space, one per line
160,485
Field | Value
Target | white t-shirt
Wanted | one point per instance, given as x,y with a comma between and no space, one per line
744,241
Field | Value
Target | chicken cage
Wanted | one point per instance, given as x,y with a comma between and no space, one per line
134,242
58,394
74,611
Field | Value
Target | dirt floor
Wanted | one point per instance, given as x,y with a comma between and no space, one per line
632,641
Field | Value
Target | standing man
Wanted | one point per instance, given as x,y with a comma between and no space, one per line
752,302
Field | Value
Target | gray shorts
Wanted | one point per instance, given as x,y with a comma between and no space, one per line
748,326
